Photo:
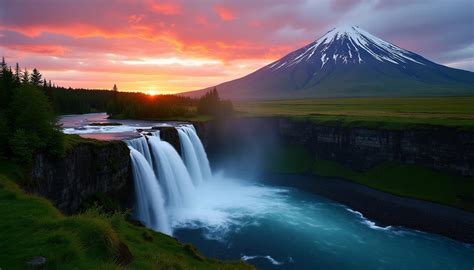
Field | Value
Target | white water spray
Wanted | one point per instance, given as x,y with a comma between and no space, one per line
141,145
172,174
198,149
149,206
182,183
190,157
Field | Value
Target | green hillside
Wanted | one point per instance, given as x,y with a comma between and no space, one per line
32,227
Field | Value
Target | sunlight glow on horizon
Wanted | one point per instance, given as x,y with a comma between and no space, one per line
152,92
172,61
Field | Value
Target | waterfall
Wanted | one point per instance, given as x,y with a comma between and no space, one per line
149,207
172,173
164,183
190,157
141,145
199,152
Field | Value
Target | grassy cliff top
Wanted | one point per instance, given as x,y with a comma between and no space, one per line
371,112
31,226
411,181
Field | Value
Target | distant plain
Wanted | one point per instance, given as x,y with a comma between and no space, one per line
371,112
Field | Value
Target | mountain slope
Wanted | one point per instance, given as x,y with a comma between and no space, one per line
346,62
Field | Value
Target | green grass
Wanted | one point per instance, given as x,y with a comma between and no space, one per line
407,181
289,159
410,181
73,140
393,113
31,226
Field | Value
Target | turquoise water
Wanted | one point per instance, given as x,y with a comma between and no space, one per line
277,228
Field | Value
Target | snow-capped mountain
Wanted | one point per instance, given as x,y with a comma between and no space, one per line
348,45
348,61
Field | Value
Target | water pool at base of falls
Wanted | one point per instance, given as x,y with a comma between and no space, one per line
280,228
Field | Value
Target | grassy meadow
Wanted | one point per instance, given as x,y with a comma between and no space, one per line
371,112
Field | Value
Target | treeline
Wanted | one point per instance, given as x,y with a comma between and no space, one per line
28,123
142,106
136,105
78,101
211,104
29,105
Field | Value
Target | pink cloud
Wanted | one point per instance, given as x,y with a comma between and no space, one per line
166,8
224,13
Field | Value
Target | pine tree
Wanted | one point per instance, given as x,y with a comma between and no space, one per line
17,73
25,79
36,77
115,91
6,84
3,65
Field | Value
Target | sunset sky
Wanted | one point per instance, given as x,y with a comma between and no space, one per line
173,46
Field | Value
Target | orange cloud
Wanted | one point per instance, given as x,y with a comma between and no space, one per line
38,48
166,8
224,13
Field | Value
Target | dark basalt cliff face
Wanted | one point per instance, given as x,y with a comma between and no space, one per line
170,134
439,148
87,170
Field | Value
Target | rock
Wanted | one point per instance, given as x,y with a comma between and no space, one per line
37,262
444,149
87,169
170,134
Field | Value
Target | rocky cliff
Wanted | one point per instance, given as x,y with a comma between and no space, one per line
87,170
439,148
170,134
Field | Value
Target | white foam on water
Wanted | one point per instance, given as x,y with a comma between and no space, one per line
268,257
222,203
368,222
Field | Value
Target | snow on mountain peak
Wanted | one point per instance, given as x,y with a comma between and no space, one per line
347,45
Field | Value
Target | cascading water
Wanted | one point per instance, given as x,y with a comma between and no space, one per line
169,173
172,174
149,206
198,149
141,145
190,157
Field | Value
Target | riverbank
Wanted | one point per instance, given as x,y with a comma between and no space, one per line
384,208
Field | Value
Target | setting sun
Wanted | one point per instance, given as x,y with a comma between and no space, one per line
152,92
